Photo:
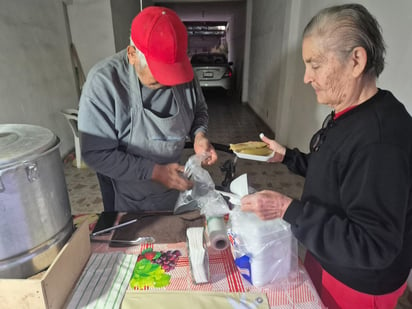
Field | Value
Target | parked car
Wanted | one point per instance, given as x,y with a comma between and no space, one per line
213,71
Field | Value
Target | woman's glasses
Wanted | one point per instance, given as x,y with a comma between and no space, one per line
319,137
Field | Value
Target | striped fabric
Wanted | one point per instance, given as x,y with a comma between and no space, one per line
104,281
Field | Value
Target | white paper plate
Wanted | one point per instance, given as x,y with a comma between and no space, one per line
253,157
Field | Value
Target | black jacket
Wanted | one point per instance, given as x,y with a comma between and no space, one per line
355,214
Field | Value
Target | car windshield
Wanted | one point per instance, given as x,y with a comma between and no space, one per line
209,59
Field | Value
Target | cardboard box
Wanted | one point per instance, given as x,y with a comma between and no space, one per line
51,288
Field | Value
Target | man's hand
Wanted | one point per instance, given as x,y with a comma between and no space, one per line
266,204
170,175
276,147
202,145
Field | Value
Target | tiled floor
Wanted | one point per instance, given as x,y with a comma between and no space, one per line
230,122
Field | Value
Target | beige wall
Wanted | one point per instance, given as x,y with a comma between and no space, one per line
264,80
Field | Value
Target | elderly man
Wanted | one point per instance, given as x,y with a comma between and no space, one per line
136,110
355,213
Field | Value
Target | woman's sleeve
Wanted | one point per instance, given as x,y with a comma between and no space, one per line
296,161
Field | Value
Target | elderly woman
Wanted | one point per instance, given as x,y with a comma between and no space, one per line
355,213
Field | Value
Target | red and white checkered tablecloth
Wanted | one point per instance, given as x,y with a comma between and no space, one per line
298,292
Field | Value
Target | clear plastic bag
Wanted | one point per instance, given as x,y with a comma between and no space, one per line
264,251
203,195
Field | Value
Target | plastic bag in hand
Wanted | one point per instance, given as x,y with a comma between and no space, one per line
203,195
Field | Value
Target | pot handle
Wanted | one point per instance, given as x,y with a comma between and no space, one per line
32,171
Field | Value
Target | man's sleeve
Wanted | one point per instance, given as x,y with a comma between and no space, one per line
100,145
200,123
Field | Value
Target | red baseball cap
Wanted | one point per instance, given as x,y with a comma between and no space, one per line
162,37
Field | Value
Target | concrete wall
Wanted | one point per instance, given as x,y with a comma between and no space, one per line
290,107
123,13
269,19
37,79
236,39
91,29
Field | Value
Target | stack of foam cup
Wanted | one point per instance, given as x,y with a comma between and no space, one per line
268,244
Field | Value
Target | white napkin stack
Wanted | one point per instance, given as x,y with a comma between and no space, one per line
198,257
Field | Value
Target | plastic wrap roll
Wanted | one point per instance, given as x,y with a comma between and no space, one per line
216,229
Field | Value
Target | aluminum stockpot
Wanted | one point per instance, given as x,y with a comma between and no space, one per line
35,213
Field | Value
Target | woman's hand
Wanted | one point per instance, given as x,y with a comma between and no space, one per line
202,145
266,204
276,147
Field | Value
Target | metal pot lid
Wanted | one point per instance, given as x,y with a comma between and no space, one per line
18,141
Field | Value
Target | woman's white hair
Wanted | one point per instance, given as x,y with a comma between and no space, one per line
142,58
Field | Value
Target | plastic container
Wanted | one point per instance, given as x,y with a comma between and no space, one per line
264,251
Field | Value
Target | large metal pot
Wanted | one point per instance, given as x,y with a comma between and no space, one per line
35,213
